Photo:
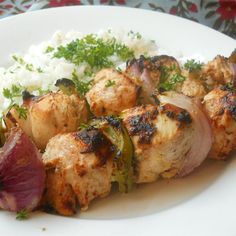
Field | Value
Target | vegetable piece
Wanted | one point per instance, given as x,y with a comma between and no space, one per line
203,138
67,86
170,78
22,174
22,215
123,158
192,65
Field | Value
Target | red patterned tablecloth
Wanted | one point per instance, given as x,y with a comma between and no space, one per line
218,14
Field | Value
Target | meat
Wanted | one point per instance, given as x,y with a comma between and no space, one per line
112,92
220,105
217,72
193,86
149,72
79,169
49,115
162,136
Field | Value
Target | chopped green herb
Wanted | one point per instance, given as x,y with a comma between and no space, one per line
88,73
43,91
39,70
29,67
14,92
138,35
192,65
133,34
18,59
22,215
110,83
170,77
81,86
49,49
22,111
172,81
118,69
94,51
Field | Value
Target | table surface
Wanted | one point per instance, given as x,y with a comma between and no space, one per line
219,14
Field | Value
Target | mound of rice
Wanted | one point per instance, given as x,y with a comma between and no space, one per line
37,68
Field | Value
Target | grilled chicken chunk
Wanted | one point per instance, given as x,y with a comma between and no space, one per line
220,105
193,88
49,115
161,137
217,72
193,85
112,92
79,169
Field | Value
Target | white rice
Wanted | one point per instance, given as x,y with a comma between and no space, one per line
56,68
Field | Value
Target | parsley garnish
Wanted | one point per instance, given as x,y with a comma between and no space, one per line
28,66
118,69
49,49
39,70
94,51
137,35
22,111
170,77
172,81
43,91
12,94
192,65
81,86
110,83
22,215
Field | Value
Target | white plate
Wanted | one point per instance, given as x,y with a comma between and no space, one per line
201,204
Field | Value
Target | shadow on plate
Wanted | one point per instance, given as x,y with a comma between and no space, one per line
147,199
152,198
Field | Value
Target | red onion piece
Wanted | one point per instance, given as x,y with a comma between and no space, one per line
148,85
203,137
22,174
134,70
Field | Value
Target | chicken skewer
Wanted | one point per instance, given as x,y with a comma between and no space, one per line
81,165
162,137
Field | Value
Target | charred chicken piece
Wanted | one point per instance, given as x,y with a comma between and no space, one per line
79,169
161,137
112,92
49,115
220,105
219,71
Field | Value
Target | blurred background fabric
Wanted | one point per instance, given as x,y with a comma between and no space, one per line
218,14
